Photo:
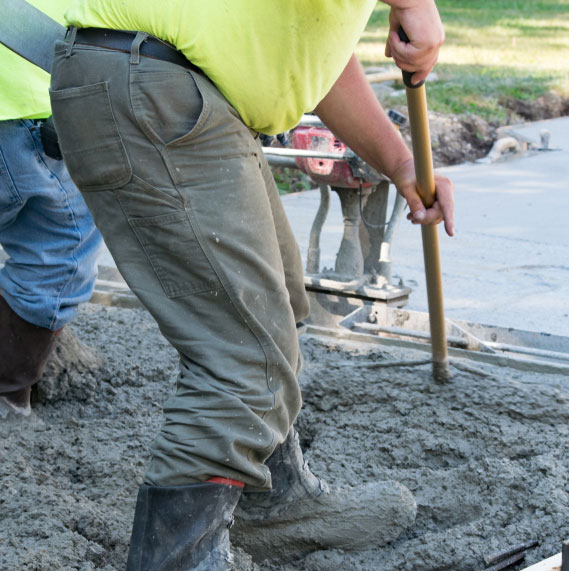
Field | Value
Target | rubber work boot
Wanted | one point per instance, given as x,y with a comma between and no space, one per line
302,514
24,350
182,528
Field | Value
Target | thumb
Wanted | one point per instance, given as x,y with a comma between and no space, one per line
416,206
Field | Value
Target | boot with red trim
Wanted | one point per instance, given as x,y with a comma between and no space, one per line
182,528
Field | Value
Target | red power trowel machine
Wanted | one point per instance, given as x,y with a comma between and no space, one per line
335,172
323,157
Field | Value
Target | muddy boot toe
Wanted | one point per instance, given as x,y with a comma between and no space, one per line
302,514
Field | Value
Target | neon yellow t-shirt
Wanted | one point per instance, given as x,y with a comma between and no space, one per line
24,87
272,59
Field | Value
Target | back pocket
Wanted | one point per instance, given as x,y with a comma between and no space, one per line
89,138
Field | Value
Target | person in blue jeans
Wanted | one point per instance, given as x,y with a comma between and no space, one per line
46,231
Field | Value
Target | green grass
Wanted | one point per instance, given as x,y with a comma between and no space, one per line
290,180
493,50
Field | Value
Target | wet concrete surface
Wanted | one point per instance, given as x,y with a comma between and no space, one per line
484,455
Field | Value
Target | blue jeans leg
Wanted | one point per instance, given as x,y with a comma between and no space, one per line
46,230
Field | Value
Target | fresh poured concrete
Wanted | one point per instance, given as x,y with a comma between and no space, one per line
483,456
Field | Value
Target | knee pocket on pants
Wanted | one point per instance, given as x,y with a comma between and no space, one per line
89,137
175,254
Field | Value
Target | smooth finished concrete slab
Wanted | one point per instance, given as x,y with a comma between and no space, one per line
508,263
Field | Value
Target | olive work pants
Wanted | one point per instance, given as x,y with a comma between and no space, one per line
187,205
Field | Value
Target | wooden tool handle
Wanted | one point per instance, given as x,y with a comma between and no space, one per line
423,158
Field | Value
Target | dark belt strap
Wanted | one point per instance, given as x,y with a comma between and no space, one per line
121,41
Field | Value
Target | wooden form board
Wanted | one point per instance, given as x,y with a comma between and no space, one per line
551,564
384,76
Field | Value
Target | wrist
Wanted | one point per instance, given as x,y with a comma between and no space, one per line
401,171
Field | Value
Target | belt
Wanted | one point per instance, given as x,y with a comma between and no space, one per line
121,41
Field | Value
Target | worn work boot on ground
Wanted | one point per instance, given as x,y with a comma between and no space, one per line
24,350
302,514
183,528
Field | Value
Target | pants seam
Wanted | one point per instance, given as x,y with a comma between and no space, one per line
77,232
229,291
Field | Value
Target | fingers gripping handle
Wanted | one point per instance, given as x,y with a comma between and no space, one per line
407,75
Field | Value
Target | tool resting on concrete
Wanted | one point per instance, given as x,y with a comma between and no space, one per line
418,120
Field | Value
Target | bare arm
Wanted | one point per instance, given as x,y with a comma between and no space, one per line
351,111
421,21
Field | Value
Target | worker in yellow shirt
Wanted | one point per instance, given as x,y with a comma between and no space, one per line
46,231
159,128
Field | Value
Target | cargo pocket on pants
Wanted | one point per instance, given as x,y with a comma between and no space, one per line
175,254
89,138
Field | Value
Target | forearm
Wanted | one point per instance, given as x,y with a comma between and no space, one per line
351,111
